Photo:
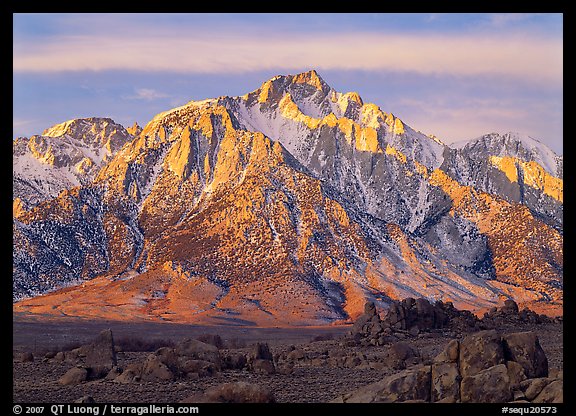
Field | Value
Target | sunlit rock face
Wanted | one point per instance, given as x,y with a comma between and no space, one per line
292,204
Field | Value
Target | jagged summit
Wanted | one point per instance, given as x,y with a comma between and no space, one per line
135,130
77,125
311,78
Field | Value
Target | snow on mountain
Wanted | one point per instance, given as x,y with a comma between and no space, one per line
517,168
513,144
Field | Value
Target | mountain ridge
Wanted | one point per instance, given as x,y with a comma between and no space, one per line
357,204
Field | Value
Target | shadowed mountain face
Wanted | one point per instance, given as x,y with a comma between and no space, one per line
292,205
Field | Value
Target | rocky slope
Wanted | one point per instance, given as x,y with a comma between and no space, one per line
294,204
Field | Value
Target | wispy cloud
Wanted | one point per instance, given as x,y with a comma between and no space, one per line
19,123
147,94
503,19
472,117
520,56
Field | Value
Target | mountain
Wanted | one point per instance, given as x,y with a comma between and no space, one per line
294,204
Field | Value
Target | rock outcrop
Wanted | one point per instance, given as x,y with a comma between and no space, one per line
483,367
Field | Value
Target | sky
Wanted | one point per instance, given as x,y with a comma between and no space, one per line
456,76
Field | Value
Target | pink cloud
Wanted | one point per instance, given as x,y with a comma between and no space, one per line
532,58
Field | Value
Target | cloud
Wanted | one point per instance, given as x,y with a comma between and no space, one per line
146,94
518,56
503,19
19,123
472,117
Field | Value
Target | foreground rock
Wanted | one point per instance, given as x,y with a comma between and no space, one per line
198,350
411,384
23,357
484,367
552,393
190,359
480,351
91,361
446,375
491,385
74,376
261,360
525,349
100,355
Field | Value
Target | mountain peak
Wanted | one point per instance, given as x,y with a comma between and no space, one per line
70,126
135,130
311,78
517,145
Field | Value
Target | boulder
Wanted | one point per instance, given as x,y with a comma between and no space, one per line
212,339
198,350
398,313
155,370
202,368
533,386
552,393
450,353
399,353
131,374
261,351
234,361
168,357
99,356
491,385
286,368
114,372
368,327
263,366
480,351
410,384
525,349
445,382
74,356
262,360
75,375
411,313
510,307
296,355
516,374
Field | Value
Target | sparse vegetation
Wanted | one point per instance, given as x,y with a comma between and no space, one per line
134,344
211,339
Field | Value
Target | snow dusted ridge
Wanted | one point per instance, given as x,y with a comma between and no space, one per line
292,108
64,156
513,144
